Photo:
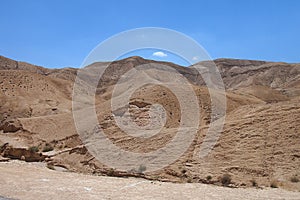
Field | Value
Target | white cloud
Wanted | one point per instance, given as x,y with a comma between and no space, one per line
159,54
195,58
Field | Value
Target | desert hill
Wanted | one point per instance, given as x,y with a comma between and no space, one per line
259,143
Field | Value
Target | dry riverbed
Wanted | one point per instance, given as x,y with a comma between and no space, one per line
21,180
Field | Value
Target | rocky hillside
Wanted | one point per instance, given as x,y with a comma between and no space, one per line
258,146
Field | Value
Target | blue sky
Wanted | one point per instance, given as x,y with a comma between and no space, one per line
62,33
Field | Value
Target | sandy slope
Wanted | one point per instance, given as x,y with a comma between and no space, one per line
260,140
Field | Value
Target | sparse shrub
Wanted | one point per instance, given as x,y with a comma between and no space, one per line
226,179
273,185
189,180
156,177
47,148
254,183
209,177
111,172
142,168
34,149
294,179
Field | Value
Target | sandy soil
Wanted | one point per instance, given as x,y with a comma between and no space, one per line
21,180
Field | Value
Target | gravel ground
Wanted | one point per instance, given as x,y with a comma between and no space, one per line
21,180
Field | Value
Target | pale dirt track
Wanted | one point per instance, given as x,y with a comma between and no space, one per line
20,180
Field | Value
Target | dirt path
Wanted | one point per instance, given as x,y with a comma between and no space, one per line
20,180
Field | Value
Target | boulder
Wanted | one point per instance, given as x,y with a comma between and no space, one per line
11,126
23,154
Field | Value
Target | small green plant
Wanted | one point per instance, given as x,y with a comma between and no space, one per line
142,168
110,172
156,177
209,177
34,149
47,148
254,183
294,179
273,185
226,179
